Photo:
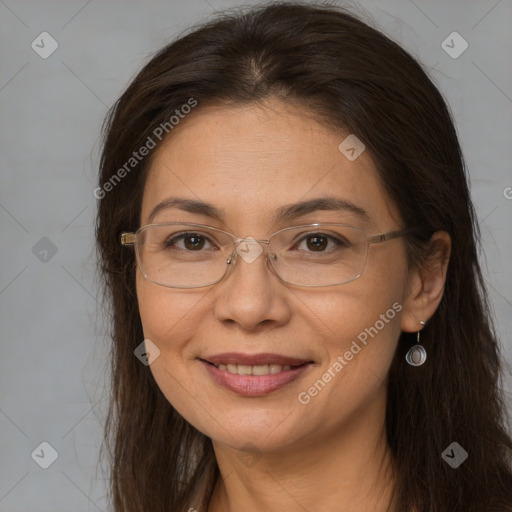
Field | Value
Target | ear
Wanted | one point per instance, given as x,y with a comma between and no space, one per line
426,284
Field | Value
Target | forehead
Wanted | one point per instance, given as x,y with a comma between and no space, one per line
251,160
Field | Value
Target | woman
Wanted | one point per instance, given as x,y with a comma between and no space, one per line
288,245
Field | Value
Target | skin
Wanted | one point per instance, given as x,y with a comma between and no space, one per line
330,454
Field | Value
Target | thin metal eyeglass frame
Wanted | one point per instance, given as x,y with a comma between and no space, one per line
131,238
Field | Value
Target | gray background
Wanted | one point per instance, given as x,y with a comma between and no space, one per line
52,363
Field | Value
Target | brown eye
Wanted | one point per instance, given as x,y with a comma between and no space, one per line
320,243
316,243
193,242
188,242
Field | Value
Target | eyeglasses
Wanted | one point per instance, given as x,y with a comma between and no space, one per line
189,255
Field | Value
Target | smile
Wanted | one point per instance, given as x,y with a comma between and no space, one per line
255,379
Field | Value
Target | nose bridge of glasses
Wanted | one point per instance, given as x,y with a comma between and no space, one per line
249,240
248,254
237,240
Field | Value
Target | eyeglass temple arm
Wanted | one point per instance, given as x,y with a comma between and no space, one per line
376,239
128,238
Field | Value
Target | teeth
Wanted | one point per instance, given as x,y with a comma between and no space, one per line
275,368
244,369
260,369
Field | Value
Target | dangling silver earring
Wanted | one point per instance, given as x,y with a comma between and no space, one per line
417,354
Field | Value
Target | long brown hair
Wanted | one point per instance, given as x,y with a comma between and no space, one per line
355,79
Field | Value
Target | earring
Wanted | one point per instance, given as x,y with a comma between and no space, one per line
417,354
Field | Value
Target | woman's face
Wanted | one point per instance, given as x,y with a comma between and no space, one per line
248,162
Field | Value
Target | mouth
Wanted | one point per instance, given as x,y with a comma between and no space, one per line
254,375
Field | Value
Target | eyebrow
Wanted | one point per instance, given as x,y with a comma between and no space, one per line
284,213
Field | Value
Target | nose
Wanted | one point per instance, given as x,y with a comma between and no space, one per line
251,295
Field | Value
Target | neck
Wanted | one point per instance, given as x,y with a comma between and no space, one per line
349,468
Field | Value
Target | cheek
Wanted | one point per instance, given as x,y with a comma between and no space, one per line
362,341
367,308
169,319
363,330
361,326
166,314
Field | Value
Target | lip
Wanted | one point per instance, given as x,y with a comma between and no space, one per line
254,385
254,359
